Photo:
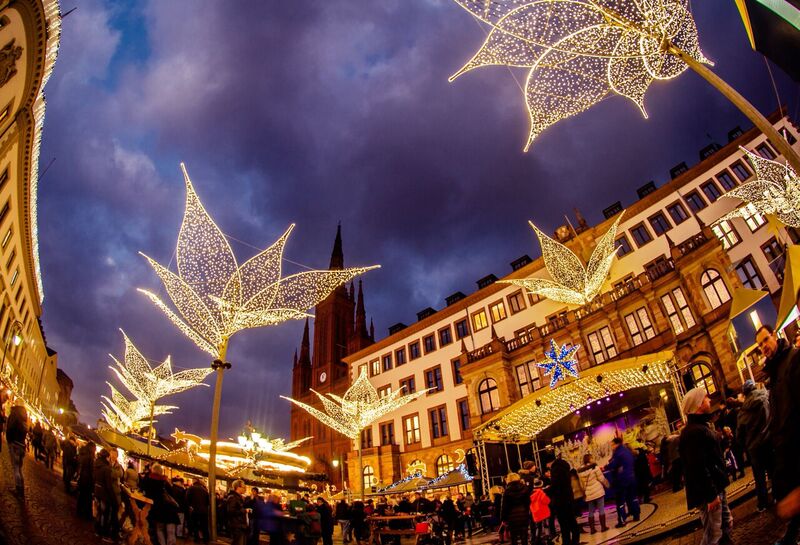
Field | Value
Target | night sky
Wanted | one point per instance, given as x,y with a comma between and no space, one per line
317,112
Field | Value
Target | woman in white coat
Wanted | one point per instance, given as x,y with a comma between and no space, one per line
594,484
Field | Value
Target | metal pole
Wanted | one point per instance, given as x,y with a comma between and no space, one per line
361,465
219,365
150,429
508,462
519,456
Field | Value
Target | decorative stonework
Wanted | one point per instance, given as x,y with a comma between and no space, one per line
9,56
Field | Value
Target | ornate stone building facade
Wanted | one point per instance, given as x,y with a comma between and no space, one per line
670,289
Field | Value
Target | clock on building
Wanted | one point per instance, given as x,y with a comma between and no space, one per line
323,376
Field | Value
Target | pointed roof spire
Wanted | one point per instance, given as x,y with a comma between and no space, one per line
305,348
352,291
337,255
361,313
371,330
295,357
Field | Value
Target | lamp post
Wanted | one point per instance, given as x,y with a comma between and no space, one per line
15,337
340,464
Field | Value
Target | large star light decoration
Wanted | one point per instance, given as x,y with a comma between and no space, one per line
775,191
580,51
125,415
559,361
360,406
571,283
215,297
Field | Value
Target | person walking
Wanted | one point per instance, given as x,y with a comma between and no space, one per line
69,462
561,501
753,434
85,480
704,468
594,485
326,520
197,502
641,470
623,479
16,432
515,510
102,495
540,511
236,514
783,368
343,517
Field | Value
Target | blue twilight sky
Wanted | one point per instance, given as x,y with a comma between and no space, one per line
320,111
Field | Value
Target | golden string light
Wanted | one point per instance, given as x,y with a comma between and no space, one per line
359,407
580,51
215,297
571,283
775,191
126,416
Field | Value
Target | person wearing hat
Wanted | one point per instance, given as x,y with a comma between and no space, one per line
704,468
752,431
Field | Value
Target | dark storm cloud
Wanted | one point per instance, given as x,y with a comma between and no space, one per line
317,112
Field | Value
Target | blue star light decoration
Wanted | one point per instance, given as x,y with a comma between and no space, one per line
560,360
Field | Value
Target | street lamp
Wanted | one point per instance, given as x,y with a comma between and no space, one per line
337,463
16,338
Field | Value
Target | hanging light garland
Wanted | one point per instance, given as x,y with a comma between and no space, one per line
571,283
580,51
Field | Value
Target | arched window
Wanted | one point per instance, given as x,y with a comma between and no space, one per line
489,396
714,287
702,376
444,464
369,476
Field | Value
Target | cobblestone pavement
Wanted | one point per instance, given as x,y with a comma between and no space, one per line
47,514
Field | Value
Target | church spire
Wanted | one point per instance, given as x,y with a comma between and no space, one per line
305,348
361,314
337,255
371,330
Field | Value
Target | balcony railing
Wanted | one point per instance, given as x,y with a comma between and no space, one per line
691,244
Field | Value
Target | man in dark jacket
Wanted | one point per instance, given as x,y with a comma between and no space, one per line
236,514
16,431
69,462
783,368
197,505
516,509
326,520
704,468
753,434
103,492
623,479
85,480
561,501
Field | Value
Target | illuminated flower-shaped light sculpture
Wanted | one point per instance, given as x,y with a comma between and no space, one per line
148,384
215,297
571,283
125,416
359,407
775,191
578,52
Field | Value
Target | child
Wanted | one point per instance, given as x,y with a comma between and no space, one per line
539,510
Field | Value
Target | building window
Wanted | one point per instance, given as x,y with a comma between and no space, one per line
726,234
695,201
749,275
463,414
429,343
3,178
400,356
787,135
444,464
752,217
387,434
433,379
413,350
488,396
711,191
438,418
4,211
408,385
623,246
385,391
14,278
726,180
741,171
772,250
498,311
602,344
411,428
765,151
702,376
528,377
516,302
369,476
366,438
714,287
462,329
387,362
678,213
660,224
457,378
6,238
11,257
677,310
445,336
533,298
479,320
639,326
641,235
374,368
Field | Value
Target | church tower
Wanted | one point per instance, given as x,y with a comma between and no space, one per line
340,329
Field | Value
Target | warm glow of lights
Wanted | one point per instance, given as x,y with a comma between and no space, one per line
358,408
755,319
571,283
129,416
560,360
580,51
215,297
775,191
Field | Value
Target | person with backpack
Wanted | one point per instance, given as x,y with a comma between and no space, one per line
236,514
16,431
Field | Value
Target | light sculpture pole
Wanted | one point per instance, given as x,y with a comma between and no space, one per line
580,51
358,408
216,297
